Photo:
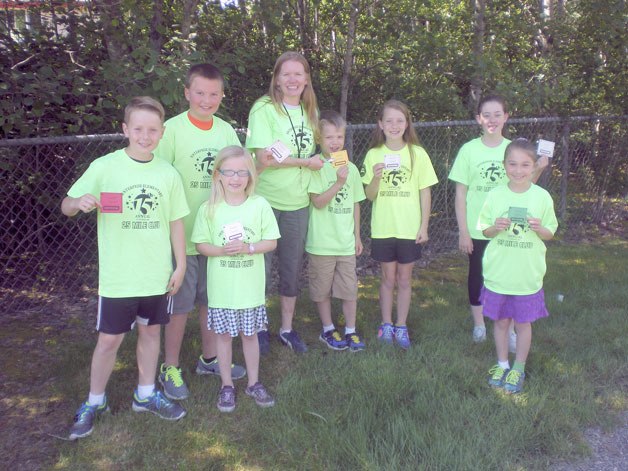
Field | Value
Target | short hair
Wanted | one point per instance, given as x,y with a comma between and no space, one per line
328,117
143,103
205,70
522,144
492,97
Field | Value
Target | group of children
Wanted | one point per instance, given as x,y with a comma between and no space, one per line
188,218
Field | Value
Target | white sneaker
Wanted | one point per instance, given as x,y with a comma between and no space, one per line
512,342
479,333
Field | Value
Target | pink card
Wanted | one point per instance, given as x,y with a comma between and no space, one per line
110,202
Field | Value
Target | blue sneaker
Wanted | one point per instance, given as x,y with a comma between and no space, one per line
497,376
354,342
263,338
386,333
291,339
514,381
84,419
159,405
212,368
401,336
333,340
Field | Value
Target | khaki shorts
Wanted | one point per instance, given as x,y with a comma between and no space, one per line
332,275
193,291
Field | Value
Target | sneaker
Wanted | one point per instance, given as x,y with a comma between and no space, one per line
172,382
497,376
263,338
354,342
226,399
212,368
84,419
386,333
512,342
333,340
401,337
159,405
479,334
514,381
261,396
291,339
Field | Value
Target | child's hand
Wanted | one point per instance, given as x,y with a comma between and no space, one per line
175,281
87,203
234,247
378,170
501,224
422,237
341,174
314,163
542,162
535,224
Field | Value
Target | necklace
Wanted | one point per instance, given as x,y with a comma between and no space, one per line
298,137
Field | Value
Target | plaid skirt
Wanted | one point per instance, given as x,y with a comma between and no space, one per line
233,321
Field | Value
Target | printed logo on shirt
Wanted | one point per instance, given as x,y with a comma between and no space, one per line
141,202
302,141
362,170
204,165
337,205
491,173
393,180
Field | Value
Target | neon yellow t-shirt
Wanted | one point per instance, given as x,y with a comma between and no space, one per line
331,229
514,260
192,152
397,209
285,188
238,281
134,251
480,168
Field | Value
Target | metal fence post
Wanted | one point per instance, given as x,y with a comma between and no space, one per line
565,168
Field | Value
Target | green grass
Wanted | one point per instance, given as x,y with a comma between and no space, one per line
427,408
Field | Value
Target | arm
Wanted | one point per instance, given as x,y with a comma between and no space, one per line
539,167
464,239
425,196
264,159
235,247
177,241
372,188
86,203
501,224
323,199
356,229
543,232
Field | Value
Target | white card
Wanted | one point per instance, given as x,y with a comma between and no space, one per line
233,231
279,150
545,148
392,161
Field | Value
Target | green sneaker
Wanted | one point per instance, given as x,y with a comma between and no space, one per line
84,419
172,382
514,382
497,376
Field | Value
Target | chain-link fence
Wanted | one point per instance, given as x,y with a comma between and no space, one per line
45,255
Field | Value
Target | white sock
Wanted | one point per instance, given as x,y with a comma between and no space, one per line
96,399
504,364
327,328
145,391
282,331
349,330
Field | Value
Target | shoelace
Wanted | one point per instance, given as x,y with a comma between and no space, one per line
513,377
336,335
226,395
84,410
497,372
174,374
258,391
354,338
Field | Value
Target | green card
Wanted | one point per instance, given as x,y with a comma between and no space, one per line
517,214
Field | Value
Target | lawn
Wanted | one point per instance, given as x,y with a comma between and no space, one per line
425,408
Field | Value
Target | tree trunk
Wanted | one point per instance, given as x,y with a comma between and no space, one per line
190,12
345,82
156,27
111,19
477,79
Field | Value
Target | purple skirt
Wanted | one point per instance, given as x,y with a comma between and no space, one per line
521,308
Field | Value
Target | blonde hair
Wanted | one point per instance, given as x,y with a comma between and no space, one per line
146,103
328,118
217,194
410,137
308,97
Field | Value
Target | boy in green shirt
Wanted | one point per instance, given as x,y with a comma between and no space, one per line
141,205
190,143
333,238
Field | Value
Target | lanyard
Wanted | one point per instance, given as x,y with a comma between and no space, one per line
298,137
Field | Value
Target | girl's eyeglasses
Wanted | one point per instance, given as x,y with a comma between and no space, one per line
231,173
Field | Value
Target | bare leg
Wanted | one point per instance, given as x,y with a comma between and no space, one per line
324,311
500,333
250,348
103,361
288,305
349,309
147,351
404,291
224,351
386,290
524,340
173,338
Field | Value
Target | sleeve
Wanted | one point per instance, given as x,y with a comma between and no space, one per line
232,137
201,234
89,182
165,149
356,184
270,229
316,183
367,168
548,220
259,130
178,202
458,172
427,175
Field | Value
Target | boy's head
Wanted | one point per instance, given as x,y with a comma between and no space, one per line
330,133
204,89
143,126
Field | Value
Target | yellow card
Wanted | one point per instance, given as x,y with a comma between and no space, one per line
340,158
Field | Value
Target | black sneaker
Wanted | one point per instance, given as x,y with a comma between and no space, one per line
291,339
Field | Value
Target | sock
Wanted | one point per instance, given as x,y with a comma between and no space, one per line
145,391
349,330
96,399
282,331
208,360
327,328
520,365
504,364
